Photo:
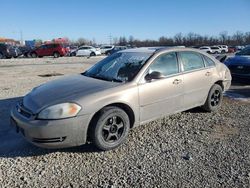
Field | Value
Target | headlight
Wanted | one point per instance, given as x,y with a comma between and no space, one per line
60,111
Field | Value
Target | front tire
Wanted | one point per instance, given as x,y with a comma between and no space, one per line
110,129
34,55
214,99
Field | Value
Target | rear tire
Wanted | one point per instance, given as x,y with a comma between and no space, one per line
92,54
56,54
214,99
110,129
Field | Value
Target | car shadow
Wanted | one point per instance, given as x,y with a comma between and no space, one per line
196,110
239,89
13,144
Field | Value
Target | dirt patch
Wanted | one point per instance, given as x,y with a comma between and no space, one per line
50,75
223,132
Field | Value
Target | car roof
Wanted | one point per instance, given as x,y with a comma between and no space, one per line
153,50
159,49
144,49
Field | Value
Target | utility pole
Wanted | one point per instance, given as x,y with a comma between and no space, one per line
110,39
21,37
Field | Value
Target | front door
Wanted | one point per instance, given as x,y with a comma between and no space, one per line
161,96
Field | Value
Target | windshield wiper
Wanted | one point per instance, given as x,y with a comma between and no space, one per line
103,78
115,80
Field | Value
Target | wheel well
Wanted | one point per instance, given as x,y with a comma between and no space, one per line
123,106
220,83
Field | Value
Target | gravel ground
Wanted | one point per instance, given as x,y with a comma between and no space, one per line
189,149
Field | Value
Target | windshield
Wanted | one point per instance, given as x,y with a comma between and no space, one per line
245,51
119,67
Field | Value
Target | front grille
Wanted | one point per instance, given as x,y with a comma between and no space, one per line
49,140
239,69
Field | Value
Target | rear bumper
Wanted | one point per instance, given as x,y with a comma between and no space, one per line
52,133
226,84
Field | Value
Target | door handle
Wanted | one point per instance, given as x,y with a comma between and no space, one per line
177,81
208,73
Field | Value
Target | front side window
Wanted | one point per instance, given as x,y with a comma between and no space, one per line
119,67
43,47
82,48
166,64
191,61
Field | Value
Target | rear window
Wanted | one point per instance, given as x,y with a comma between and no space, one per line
208,62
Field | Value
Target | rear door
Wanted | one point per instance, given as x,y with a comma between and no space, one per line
81,51
197,79
162,96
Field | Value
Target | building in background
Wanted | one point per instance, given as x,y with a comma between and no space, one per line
10,41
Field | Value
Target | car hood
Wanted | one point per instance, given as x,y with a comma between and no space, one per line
64,90
238,60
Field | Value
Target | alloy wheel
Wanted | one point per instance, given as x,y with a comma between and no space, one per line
113,129
215,98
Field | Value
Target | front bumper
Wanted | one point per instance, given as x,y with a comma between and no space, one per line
98,53
52,133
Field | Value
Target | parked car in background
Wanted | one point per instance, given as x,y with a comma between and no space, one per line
231,49
215,50
18,51
116,49
72,50
196,47
7,51
224,48
106,48
55,50
124,90
239,48
239,65
25,50
206,49
87,51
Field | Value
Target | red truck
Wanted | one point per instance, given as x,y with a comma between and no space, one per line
55,50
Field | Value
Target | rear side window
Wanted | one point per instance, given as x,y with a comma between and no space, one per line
166,64
55,45
208,62
191,61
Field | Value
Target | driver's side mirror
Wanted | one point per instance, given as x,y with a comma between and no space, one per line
155,75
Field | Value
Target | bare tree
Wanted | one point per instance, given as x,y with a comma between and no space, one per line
82,41
190,39
238,37
178,38
223,37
